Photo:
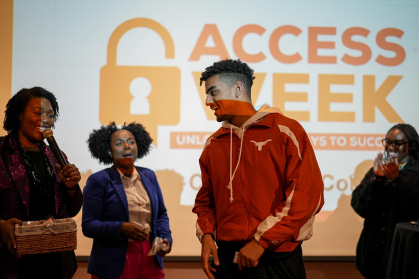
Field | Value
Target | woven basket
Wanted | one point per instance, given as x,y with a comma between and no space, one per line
34,238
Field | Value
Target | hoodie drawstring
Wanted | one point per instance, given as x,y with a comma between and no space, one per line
230,184
263,111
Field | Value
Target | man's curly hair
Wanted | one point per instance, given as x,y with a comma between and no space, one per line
230,71
99,141
412,136
17,105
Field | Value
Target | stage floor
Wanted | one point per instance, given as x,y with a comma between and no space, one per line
314,270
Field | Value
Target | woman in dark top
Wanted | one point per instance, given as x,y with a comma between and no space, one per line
32,185
388,194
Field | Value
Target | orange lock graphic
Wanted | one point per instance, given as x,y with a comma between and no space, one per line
158,103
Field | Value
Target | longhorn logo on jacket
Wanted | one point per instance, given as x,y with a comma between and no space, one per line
260,144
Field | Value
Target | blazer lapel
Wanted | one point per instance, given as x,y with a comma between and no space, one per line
119,188
148,186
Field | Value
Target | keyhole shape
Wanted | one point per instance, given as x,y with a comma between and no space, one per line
140,88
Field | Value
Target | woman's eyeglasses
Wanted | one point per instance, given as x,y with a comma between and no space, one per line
395,144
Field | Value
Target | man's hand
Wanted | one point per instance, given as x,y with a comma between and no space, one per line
134,232
208,249
7,231
249,255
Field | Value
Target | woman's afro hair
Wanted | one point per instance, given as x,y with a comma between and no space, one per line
99,141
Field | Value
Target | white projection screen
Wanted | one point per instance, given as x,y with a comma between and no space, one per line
347,70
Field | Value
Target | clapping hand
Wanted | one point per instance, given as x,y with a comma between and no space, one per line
391,168
378,167
386,167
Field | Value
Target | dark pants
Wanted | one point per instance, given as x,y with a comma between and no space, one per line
281,265
58,265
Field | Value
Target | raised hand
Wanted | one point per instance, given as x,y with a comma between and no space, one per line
378,165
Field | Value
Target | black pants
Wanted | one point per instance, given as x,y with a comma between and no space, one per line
281,265
58,265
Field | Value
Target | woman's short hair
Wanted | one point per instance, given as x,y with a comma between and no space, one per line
18,103
99,141
412,136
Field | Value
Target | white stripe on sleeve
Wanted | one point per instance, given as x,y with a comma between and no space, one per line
271,221
287,131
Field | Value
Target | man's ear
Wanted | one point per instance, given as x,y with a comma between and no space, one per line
239,89
110,153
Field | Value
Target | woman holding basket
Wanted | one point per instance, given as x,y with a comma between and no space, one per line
33,186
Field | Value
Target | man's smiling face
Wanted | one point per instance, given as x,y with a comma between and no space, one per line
217,93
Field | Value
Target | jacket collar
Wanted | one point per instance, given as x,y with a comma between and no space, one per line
266,121
116,181
135,175
119,187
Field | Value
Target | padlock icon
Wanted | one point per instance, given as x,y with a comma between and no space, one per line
115,96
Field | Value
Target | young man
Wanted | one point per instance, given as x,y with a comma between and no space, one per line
261,184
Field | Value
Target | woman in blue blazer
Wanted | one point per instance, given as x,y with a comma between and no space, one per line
123,207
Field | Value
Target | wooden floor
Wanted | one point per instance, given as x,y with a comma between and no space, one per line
192,270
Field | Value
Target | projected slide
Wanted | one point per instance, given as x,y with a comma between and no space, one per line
346,70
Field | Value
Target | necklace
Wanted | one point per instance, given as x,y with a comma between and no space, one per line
43,187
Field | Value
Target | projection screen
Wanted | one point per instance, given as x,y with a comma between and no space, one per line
347,70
